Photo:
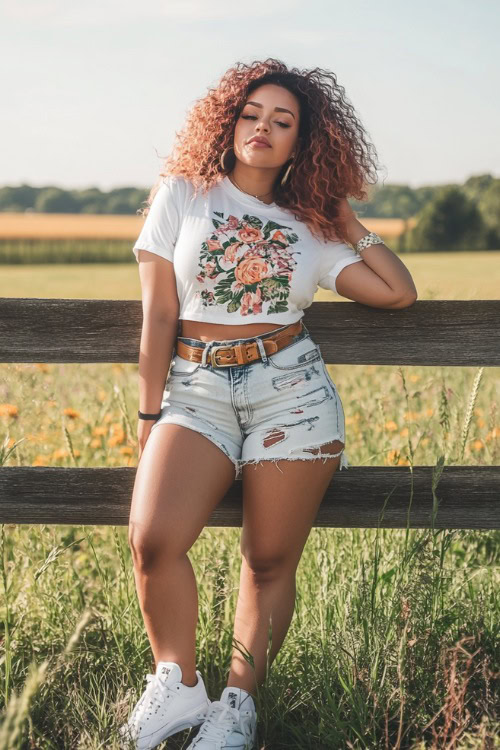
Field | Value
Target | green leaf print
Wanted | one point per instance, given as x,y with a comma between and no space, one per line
253,221
270,226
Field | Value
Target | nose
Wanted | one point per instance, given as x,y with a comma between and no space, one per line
260,125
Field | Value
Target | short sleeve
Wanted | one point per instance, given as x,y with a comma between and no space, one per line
162,223
335,257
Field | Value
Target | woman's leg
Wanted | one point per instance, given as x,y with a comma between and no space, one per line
171,504
278,512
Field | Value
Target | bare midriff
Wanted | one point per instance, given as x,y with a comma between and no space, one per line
195,329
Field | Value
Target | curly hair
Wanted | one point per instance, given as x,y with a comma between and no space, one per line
334,162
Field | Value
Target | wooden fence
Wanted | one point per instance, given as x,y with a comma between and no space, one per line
456,333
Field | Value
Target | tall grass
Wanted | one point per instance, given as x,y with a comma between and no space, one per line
395,637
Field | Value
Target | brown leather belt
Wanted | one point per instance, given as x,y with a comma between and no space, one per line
239,354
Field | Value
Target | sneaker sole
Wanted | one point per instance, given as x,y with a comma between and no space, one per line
193,719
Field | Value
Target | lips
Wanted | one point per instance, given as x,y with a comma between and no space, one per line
260,140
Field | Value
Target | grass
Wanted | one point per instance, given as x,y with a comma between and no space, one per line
436,276
395,638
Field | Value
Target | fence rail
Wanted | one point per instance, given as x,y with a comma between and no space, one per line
444,332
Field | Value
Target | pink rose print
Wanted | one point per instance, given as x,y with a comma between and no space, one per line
249,234
247,265
213,245
253,301
251,270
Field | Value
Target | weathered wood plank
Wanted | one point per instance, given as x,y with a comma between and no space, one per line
468,497
430,332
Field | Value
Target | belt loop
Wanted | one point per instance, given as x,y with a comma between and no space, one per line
204,356
262,352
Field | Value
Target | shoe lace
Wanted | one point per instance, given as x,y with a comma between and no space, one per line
154,696
219,719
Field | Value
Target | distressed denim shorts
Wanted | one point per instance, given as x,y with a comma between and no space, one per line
278,407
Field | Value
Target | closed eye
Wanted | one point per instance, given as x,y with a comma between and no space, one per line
252,117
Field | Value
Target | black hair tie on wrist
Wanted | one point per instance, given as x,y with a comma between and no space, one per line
141,415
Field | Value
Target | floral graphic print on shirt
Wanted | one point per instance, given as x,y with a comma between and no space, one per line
247,264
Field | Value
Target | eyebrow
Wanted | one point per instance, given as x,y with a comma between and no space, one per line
276,109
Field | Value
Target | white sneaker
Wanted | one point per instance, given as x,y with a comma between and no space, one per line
230,723
167,706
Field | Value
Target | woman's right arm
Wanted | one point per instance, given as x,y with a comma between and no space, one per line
160,311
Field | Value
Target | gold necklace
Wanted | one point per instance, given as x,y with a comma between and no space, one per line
244,191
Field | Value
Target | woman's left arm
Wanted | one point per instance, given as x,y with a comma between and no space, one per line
382,280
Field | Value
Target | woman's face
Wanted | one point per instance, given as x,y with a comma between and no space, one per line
272,112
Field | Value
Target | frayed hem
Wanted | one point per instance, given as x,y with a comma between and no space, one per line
344,462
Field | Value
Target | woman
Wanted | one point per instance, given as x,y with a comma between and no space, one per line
250,216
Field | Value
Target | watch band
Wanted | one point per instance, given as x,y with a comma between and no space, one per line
141,415
369,239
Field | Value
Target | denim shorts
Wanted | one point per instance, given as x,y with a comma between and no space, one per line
278,407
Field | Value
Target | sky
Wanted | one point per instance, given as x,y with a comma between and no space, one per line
93,91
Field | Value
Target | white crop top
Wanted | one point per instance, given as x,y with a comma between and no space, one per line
236,259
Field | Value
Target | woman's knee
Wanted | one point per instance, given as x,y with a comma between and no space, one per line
149,549
268,565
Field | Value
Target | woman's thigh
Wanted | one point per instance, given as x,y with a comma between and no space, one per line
280,503
180,479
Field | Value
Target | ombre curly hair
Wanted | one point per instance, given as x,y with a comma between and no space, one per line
334,161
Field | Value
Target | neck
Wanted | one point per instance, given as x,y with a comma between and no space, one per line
256,182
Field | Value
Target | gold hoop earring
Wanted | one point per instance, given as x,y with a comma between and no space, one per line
285,176
222,157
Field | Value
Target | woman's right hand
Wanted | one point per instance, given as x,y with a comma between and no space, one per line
143,429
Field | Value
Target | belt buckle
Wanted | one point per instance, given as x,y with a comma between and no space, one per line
213,352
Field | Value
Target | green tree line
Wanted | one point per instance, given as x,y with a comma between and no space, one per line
448,217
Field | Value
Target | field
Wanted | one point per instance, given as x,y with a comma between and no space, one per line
394,641
76,226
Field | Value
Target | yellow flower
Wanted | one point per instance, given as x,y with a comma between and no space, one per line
8,410
99,431
391,426
480,422
40,461
414,378
404,432
42,366
71,413
409,415
126,450
392,457
429,412
118,437
60,453
477,445
495,432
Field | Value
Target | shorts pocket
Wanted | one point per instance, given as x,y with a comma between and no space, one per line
298,354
